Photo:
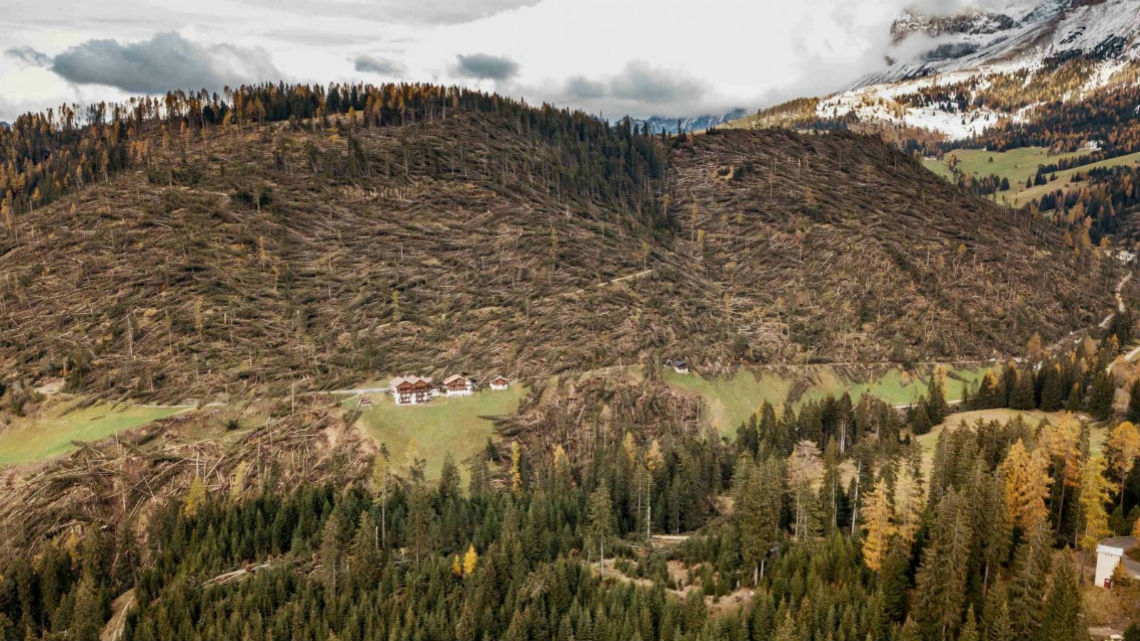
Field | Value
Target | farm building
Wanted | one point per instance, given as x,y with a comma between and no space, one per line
681,367
456,385
412,390
500,383
1112,552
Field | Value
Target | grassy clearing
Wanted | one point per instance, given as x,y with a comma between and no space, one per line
1018,165
446,425
730,401
1065,178
53,430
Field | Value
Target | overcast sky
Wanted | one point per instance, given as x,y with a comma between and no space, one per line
613,57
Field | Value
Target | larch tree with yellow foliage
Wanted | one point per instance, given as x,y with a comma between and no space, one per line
1094,496
470,561
1026,486
908,504
1121,450
877,517
195,497
1064,445
654,460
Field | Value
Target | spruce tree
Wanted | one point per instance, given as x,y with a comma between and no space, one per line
1026,587
1133,413
1063,618
970,627
1052,389
940,584
1101,396
1023,396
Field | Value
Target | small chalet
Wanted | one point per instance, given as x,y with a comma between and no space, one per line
456,385
1111,553
500,383
412,390
681,367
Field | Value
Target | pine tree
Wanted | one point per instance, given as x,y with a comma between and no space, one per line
936,406
87,622
1026,587
1101,396
1063,618
940,584
989,392
1052,390
758,513
992,511
1023,396
877,520
1133,414
970,627
332,551
600,523
894,581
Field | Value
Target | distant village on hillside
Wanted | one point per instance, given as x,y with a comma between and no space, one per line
416,390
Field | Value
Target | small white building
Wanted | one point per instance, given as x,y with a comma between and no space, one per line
1111,553
456,385
500,383
679,366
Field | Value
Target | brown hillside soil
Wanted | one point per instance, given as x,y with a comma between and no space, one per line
255,259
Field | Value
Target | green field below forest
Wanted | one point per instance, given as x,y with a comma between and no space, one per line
53,430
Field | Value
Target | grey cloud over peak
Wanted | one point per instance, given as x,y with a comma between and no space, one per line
640,89
486,67
166,61
639,81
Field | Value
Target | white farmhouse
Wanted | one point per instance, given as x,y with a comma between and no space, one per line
456,385
1111,553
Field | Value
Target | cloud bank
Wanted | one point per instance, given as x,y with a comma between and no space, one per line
377,65
166,61
482,66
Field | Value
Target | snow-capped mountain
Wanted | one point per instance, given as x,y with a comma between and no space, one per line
965,54
1020,35
658,124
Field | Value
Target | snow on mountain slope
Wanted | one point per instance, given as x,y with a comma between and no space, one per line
1029,38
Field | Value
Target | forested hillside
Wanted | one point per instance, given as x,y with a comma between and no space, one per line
776,537
205,244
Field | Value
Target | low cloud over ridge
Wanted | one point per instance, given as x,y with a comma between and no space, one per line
486,67
165,62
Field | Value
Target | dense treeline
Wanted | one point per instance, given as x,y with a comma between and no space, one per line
45,155
1096,204
835,529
